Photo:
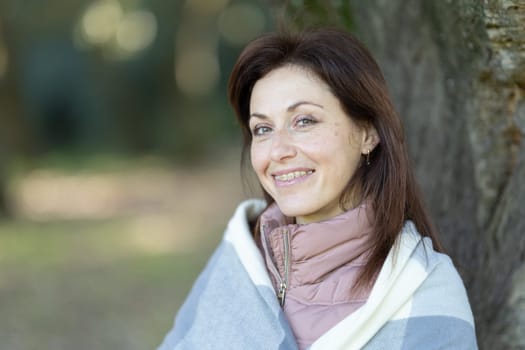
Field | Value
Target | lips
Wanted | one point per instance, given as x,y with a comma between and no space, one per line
287,176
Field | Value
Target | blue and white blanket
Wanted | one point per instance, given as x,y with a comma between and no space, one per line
417,302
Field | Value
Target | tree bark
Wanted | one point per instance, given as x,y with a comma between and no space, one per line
456,70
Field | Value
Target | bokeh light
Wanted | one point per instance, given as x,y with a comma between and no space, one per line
101,20
136,31
119,33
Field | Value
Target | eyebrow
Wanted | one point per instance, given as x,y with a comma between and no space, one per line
297,104
290,108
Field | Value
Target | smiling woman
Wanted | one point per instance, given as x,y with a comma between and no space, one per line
341,254
293,116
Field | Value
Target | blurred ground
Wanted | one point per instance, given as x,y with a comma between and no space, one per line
102,258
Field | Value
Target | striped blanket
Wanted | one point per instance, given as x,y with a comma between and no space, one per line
417,302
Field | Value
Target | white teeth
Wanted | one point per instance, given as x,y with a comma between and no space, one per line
293,175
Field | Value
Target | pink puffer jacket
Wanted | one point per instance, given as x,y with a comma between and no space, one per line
314,267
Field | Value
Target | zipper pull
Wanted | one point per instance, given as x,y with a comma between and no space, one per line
282,293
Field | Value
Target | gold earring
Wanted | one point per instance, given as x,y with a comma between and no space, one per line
368,156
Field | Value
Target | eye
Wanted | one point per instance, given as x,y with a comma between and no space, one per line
260,130
305,120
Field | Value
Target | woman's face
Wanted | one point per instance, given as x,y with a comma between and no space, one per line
304,148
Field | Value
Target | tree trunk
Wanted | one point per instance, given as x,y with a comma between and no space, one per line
456,70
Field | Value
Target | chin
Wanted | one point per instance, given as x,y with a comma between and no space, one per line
295,209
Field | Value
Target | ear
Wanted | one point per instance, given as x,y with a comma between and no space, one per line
370,139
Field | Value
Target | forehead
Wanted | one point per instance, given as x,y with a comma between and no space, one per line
286,85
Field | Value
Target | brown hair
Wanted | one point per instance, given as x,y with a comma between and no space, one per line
355,78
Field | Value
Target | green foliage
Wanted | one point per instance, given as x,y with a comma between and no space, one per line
298,14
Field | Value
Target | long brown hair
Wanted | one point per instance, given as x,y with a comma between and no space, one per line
355,78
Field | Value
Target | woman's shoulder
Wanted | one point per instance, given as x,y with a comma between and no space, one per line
248,210
443,288
418,301
421,248
245,214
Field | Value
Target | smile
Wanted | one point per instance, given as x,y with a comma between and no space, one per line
292,175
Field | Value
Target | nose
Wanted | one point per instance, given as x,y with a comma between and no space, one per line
282,146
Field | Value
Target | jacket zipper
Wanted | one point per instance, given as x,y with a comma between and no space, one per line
281,281
284,284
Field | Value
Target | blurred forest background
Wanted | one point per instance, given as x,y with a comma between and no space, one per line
119,163
119,156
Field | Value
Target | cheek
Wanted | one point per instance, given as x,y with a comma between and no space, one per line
257,159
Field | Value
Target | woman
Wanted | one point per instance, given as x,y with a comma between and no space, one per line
341,254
